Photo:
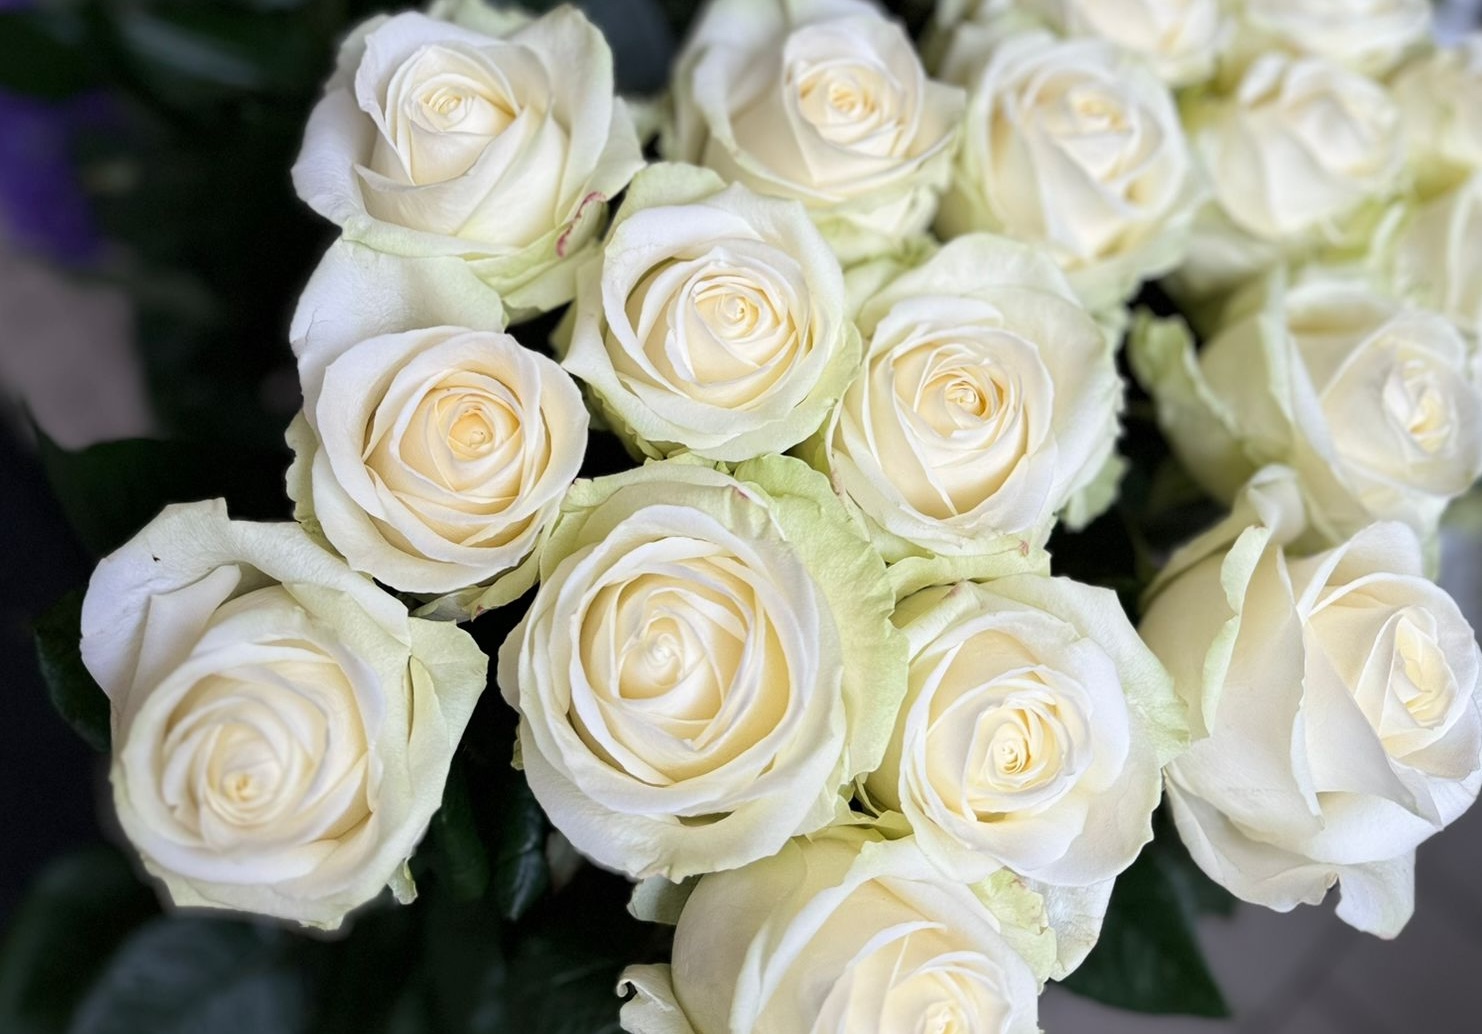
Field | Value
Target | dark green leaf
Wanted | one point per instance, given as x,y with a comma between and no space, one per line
73,692
457,855
110,491
1148,959
190,975
521,874
39,57
79,910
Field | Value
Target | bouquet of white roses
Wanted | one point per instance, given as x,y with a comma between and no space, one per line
870,475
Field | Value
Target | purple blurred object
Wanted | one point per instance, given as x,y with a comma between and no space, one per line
42,204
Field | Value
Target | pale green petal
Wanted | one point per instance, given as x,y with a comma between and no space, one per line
1197,423
1023,919
1096,497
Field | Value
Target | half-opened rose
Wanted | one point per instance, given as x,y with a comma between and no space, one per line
1033,733
843,934
436,139
1292,155
1075,146
1368,35
708,662
1440,99
822,101
1339,698
715,321
431,457
281,728
1376,406
988,398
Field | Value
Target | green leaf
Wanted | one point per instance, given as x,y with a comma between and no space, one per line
79,910
1148,959
41,57
521,874
457,855
191,975
109,491
77,698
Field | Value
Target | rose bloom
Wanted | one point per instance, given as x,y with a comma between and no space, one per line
1368,35
1440,101
1074,146
1033,732
1433,259
281,728
470,137
843,934
715,321
1376,406
822,101
1293,156
1337,696
708,661
987,401
432,457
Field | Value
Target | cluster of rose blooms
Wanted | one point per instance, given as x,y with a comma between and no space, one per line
805,672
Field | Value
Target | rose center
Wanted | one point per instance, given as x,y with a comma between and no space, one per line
1428,687
1415,402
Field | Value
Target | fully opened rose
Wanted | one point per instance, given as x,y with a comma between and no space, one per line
1337,697
708,663
282,729
432,457
822,101
1073,146
1375,405
715,322
1294,155
988,398
840,934
436,139
1033,732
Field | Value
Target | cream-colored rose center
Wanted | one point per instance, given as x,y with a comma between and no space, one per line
725,329
1417,403
269,749
1425,684
685,667
454,103
850,104
464,445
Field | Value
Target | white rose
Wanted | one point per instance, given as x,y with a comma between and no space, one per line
1033,732
1440,99
1340,697
988,398
1368,35
1180,39
708,662
1291,156
281,729
434,139
846,934
431,457
1074,146
822,101
1434,260
715,321
1376,406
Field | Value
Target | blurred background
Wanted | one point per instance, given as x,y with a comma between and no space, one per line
151,248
